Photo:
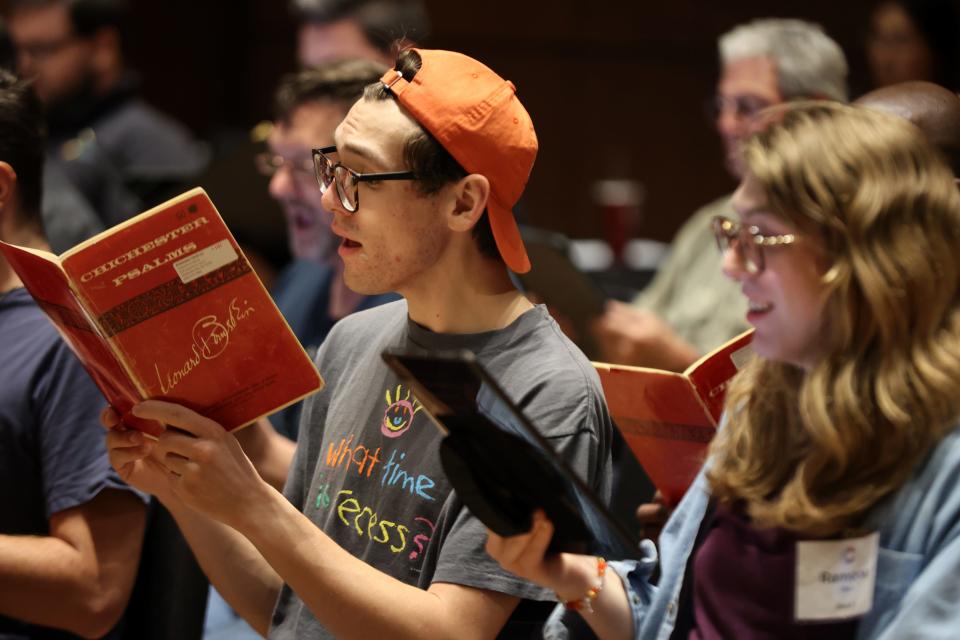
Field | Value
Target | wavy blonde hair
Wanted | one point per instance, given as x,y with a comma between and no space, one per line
813,450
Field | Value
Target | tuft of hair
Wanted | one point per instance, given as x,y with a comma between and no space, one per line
814,450
809,63
22,139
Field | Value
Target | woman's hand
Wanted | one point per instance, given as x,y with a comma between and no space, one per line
569,575
652,516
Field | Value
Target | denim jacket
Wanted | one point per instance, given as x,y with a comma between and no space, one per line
917,592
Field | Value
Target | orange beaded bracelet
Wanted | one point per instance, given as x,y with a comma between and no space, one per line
586,602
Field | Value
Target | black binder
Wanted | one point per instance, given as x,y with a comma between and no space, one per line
500,465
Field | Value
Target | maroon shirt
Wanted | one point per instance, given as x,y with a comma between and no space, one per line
743,585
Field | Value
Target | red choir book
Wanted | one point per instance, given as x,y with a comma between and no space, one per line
669,418
166,306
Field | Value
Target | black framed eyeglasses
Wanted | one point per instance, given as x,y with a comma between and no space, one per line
747,242
348,180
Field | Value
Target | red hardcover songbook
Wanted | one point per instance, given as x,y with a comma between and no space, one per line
669,418
165,305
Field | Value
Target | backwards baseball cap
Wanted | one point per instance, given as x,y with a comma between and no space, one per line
476,116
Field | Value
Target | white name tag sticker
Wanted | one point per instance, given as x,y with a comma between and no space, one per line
835,578
204,261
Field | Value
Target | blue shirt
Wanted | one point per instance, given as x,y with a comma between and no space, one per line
302,293
53,456
917,592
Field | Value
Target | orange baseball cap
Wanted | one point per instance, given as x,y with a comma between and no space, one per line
476,116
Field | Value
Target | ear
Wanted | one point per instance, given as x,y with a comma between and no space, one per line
8,184
106,50
8,190
469,197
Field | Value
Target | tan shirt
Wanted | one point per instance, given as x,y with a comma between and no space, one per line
690,292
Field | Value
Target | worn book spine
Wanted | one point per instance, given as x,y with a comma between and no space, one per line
46,281
712,374
668,419
662,420
176,299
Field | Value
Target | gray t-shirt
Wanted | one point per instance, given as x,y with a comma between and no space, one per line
367,469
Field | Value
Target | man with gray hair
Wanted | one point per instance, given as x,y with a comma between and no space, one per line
689,308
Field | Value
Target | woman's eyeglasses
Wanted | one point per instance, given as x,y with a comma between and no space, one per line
747,242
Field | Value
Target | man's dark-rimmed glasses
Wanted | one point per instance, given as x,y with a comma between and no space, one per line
348,180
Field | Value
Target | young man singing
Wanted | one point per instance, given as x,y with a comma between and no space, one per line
368,540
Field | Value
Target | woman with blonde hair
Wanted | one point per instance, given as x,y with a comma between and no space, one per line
827,506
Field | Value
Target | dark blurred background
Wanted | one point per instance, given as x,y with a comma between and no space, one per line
616,89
